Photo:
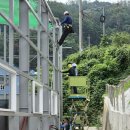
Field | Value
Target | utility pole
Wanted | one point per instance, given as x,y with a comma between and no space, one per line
89,43
103,24
80,26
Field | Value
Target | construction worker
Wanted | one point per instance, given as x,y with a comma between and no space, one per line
74,65
65,125
67,27
71,72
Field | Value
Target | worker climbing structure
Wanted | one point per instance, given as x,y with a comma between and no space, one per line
29,101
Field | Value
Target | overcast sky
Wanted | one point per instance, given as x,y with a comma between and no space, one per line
65,1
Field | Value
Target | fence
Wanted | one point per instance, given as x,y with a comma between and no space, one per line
115,116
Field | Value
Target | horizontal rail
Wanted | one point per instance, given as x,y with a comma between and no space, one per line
5,112
23,74
7,68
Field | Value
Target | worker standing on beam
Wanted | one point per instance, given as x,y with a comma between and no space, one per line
67,27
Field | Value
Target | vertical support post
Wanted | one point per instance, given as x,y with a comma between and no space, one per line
11,60
40,94
123,97
13,92
56,61
23,58
33,96
54,52
111,94
89,44
103,12
39,41
114,98
40,97
117,100
5,46
11,33
45,65
12,120
57,80
60,80
80,26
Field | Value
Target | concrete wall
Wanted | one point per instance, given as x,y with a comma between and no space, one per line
114,120
92,128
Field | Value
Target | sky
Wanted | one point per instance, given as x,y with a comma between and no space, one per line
112,1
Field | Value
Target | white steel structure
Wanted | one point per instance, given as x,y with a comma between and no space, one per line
31,110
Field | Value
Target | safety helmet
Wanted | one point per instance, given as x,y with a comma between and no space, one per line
69,65
74,65
66,12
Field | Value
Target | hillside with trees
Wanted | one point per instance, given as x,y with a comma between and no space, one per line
117,20
107,61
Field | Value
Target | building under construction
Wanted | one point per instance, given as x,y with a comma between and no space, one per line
29,101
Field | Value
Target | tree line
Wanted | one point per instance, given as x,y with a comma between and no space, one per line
117,19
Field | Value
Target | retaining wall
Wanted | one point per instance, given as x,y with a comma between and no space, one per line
114,120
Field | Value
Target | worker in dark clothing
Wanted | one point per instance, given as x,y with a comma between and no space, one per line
75,67
67,27
71,72
65,125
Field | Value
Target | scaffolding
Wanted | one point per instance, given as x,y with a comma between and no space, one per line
38,102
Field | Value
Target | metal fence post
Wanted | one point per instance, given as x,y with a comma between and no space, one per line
123,96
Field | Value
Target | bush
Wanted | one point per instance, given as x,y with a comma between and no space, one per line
99,71
122,58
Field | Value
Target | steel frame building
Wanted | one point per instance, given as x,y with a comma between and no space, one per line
31,111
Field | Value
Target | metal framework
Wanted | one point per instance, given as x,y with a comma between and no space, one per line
41,106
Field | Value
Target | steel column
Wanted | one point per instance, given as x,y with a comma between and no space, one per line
23,57
55,60
60,79
55,72
39,41
5,42
11,33
45,66
12,120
